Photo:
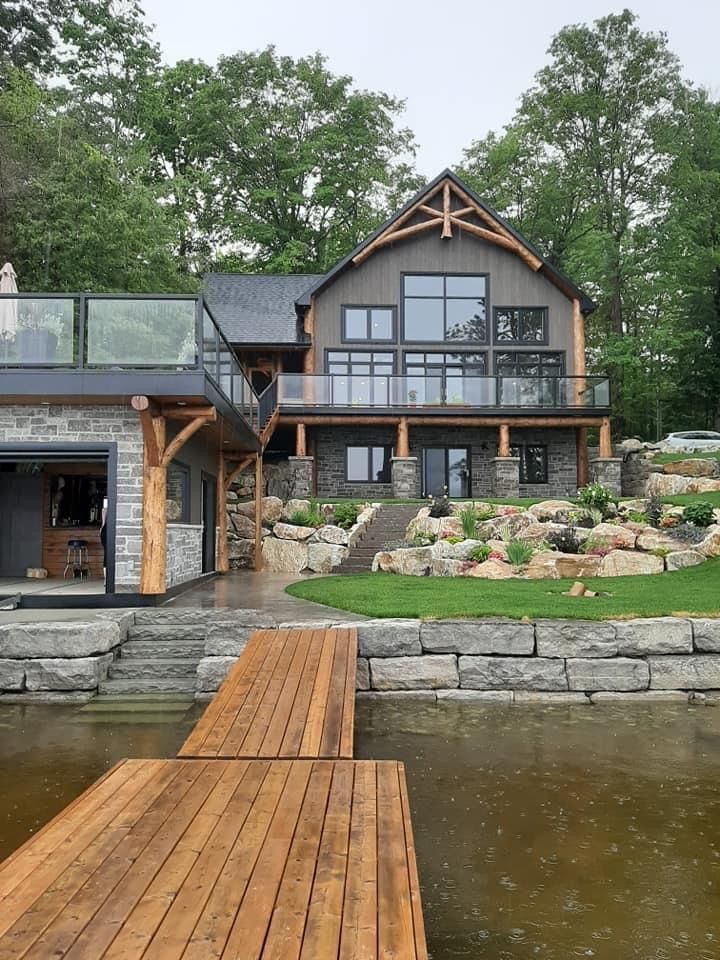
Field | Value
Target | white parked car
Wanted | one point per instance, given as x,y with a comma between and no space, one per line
692,440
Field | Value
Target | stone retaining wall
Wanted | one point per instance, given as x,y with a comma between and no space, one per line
59,661
579,661
184,553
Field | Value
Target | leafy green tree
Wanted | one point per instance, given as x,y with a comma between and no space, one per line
307,165
28,33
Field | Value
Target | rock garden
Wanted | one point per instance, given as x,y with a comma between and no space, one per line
555,539
297,535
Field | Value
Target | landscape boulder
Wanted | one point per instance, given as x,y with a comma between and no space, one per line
289,531
323,557
557,510
625,563
284,556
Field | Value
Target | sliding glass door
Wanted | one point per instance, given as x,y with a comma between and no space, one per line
446,469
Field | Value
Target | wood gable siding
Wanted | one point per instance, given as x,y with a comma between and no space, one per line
377,282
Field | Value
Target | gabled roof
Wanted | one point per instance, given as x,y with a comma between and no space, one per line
258,308
358,254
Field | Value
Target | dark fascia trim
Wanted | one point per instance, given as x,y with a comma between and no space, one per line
446,411
95,451
586,303
278,345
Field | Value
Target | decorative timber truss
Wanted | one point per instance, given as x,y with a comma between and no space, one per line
457,207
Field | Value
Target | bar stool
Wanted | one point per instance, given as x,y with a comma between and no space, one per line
78,559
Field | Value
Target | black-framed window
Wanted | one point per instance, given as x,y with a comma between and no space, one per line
359,377
533,461
520,324
445,307
368,323
178,492
368,464
544,363
436,377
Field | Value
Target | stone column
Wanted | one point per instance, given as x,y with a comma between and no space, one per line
506,477
404,473
301,476
608,472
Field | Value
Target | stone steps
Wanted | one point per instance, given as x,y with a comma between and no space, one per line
164,649
387,530
169,631
138,669
146,685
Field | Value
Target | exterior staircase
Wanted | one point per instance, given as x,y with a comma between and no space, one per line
386,532
157,658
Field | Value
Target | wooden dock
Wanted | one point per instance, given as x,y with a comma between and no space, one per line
233,859
291,694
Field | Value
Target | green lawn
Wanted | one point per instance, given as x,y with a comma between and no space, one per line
679,457
692,591
682,499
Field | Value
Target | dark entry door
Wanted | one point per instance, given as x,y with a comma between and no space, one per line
446,469
20,523
209,519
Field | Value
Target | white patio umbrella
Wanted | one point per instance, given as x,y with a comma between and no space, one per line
8,308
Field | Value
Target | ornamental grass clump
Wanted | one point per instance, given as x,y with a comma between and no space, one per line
518,553
481,553
468,519
306,518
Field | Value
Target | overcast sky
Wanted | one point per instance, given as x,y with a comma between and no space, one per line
460,66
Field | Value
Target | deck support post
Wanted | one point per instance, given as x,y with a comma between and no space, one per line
223,559
606,450
300,441
504,440
402,448
258,510
581,456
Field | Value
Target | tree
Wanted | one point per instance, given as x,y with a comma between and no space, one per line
307,165
28,33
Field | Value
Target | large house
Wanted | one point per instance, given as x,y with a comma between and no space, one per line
443,353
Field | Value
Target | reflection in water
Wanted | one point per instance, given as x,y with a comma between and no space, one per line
541,832
561,832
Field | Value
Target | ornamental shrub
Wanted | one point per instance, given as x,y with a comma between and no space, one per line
566,540
700,514
306,518
654,511
595,496
480,553
346,514
440,506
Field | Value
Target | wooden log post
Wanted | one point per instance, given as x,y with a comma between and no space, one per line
258,510
504,440
223,557
578,351
402,448
581,452
606,450
300,441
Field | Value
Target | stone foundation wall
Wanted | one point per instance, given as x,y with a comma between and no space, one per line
330,458
69,425
574,661
184,553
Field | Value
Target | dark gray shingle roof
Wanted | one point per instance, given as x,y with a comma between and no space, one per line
258,308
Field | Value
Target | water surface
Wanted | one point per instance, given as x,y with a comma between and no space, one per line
561,832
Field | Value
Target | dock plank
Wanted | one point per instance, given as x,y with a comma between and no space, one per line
228,859
290,695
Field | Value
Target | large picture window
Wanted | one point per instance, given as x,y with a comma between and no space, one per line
542,364
368,323
520,324
438,308
533,462
360,378
368,464
531,379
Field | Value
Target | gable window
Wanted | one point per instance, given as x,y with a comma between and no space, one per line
360,378
520,324
368,464
439,308
368,323
533,462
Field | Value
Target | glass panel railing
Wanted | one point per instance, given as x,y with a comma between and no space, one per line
416,391
301,390
210,345
144,332
471,391
38,331
226,365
